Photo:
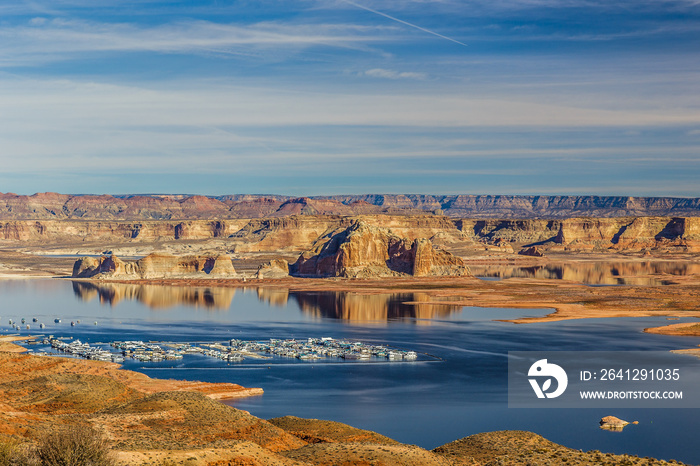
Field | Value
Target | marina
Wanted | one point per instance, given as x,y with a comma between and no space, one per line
308,349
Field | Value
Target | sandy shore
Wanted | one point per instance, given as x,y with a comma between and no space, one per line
33,366
7,344
23,276
688,329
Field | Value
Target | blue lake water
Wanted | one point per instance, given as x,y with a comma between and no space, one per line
427,402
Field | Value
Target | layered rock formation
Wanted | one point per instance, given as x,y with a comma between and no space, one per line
521,231
277,268
298,233
44,206
629,233
154,266
289,236
361,251
66,230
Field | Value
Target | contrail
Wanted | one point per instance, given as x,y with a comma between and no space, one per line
404,22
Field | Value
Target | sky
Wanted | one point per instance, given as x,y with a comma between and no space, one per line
323,97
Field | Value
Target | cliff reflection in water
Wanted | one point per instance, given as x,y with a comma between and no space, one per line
339,305
359,307
595,273
155,296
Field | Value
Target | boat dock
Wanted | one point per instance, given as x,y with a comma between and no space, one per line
308,349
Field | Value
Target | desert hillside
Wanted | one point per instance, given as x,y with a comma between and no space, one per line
150,421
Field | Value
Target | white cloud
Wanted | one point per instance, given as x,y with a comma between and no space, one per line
391,74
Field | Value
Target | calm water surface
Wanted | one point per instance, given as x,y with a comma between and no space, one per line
594,272
427,403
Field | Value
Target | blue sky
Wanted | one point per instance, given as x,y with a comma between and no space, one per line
337,97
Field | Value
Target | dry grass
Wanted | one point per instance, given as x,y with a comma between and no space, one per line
526,448
241,453
364,454
39,396
74,445
12,453
318,431
182,420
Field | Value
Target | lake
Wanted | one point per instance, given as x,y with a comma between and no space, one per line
460,390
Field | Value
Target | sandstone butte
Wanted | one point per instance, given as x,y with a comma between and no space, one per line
150,421
365,251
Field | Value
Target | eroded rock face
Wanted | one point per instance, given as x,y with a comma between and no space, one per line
364,251
532,251
629,233
277,268
154,266
85,267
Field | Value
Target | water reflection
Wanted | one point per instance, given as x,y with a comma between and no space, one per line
348,306
155,296
371,307
595,273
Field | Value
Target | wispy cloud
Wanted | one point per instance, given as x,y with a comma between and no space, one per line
623,5
49,40
391,74
87,127
638,32
208,103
